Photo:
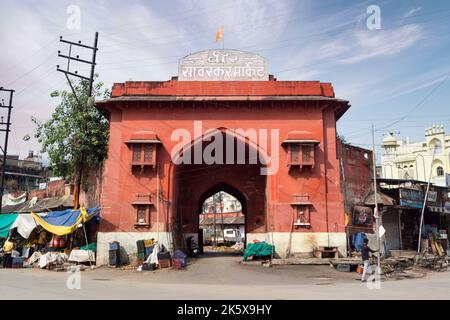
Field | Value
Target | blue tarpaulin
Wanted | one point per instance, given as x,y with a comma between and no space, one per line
66,221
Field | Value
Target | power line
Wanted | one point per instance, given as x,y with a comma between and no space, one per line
28,57
418,105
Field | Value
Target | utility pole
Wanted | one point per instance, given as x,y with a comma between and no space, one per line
425,202
215,215
377,213
90,79
5,127
221,214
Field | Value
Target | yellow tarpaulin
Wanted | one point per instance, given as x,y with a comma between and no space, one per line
64,222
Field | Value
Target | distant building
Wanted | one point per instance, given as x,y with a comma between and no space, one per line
405,160
223,202
23,175
221,211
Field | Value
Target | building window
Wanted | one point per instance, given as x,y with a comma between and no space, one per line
301,154
436,146
295,154
148,153
440,171
143,154
306,153
136,152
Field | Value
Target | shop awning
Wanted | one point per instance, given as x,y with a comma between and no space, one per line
381,199
66,221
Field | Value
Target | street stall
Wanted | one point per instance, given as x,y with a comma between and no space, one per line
49,240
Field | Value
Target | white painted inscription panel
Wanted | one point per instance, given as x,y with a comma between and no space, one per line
223,65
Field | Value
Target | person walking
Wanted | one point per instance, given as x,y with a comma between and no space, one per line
365,255
8,247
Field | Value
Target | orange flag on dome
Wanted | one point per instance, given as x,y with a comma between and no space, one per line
219,33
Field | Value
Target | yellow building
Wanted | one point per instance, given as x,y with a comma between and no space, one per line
405,160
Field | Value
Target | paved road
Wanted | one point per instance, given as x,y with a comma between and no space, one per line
216,277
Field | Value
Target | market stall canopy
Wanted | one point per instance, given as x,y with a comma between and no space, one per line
25,224
381,199
65,222
6,220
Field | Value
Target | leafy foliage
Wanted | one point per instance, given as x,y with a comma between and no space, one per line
76,132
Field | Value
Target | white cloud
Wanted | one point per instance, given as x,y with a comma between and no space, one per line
360,45
423,81
412,11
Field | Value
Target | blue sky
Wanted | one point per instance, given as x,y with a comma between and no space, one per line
396,77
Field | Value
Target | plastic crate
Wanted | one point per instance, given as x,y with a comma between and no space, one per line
149,243
343,267
17,262
164,263
164,255
141,256
140,246
148,251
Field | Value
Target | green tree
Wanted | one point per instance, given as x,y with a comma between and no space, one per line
77,132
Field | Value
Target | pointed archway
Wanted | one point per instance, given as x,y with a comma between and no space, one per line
193,183
226,188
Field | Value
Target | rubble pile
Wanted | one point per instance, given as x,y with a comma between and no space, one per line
400,268
433,262
433,256
397,264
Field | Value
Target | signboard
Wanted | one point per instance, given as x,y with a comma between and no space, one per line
381,231
412,198
432,196
447,207
362,216
446,202
223,65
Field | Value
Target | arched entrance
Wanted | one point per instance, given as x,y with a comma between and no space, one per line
222,211
194,183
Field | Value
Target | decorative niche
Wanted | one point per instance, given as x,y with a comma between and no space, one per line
143,204
302,211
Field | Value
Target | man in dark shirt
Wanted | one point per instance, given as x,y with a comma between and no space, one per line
365,255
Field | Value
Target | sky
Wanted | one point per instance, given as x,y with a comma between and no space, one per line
396,77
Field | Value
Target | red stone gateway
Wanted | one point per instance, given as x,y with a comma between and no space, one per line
270,144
